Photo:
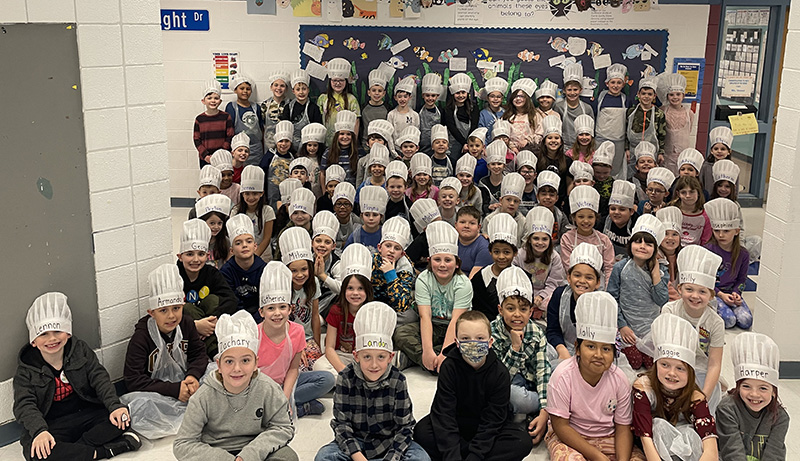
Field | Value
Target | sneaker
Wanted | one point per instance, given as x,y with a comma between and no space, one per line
312,407
128,441
400,360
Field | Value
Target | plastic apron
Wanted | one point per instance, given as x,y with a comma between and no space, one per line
298,125
568,329
568,123
153,415
678,135
248,123
425,126
281,364
679,442
455,146
648,134
610,126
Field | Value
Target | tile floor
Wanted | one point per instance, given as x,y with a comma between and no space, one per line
315,431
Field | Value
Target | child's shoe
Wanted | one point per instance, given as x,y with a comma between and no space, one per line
312,407
400,360
128,441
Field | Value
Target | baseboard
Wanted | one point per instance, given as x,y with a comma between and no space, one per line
182,202
789,370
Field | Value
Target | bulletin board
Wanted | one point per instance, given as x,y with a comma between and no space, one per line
534,53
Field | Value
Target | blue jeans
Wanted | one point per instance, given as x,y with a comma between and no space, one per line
523,401
331,452
312,385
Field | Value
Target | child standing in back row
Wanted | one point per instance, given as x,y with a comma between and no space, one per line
403,116
429,113
213,129
679,119
247,116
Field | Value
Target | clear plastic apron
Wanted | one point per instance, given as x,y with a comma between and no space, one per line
248,123
568,330
649,132
300,124
280,366
610,126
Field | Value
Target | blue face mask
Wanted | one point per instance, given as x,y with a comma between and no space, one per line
474,351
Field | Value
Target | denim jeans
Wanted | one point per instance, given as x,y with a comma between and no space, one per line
523,401
312,385
331,452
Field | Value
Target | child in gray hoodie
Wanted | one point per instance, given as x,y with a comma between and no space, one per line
238,414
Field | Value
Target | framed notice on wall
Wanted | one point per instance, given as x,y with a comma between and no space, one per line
692,69
226,65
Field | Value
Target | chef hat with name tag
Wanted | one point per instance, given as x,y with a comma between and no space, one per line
648,82
240,140
604,155
344,190
237,330
252,179
494,84
396,169
691,156
584,124
501,128
698,265
356,260
645,149
584,197
286,188
378,155
210,176
275,286
671,217
755,356
525,84
526,158
195,235
439,132
573,73
674,338
213,203
513,184
338,68
502,227
596,317
345,121
725,170
586,253
238,79
723,214
325,223
452,182
410,134
239,224
50,312
382,128
480,134
334,173
295,244
661,175
548,178
432,83
373,199
466,164
305,162
424,211
302,200
374,326
421,164
279,75
496,152
551,124
539,219
442,238
459,82
673,83
313,132
299,76
581,170
652,225
222,160
407,84
721,134
396,230
212,86
284,130
166,286
622,194
616,71
548,89
377,77
513,281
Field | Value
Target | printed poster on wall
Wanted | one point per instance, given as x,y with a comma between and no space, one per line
226,65
692,69
306,8
363,9
262,7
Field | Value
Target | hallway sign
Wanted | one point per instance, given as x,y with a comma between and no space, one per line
184,20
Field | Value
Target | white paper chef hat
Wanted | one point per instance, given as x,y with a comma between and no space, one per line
378,155
299,76
581,170
547,88
586,253
439,132
466,164
209,176
596,317
721,134
374,326
698,265
525,84
424,211
723,213
661,176
421,163
502,227
335,173
551,124
442,238
275,286
213,203
513,281
239,224
238,79
584,197
397,169
616,71
451,182
494,84
284,130
501,128
278,75
604,155
345,121
325,223
344,190
755,356
338,68
674,338
513,184
305,162
237,330
691,156
725,170
295,245
432,83
240,140
584,124
496,151
645,149
356,260
373,199
407,84
212,86
548,178
166,286
252,179
650,224
409,134
50,312
480,134
673,83
459,82
377,77
195,235
671,217
622,193
313,132
286,188
526,158
648,82
382,128
396,229
573,73
539,219
222,160
302,200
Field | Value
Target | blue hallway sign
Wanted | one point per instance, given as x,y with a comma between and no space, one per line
184,20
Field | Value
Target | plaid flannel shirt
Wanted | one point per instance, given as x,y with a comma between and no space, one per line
373,418
531,361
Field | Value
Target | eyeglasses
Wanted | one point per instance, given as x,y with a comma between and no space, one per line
343,205
650,190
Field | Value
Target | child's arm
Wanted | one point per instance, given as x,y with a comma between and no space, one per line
187,445
775,448
450,336
202,150
443,413
291,375
137,378
714,369
262,247
707,232
229,132
315,323
643,420
26,408
426,335
554,334
344,407
276,426
608,255
567,243
98,377
660,293
623,442
330,348
661,130
730,439
196,352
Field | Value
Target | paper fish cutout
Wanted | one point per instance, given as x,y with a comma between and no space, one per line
322,40
528,56
397,62
558,44
364,56
385,42
649,71
422,54
353,44
481,54
447,55
594,49
633,51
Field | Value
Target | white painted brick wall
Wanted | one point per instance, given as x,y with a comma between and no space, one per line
151,201
141,11
13,11
142,44
117,323
153,239
116,286
96,11
7,400
114,248
51,11
145,84
148,163
99,45
102,87
114,358
111,209
147,124
105,128
108,169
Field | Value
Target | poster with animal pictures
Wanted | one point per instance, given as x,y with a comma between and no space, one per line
539,54
363,9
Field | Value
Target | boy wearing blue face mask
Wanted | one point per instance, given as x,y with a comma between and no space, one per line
470,409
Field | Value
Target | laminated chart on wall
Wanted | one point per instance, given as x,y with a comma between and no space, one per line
483,53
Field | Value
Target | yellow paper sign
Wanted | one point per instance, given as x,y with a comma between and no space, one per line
743,124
